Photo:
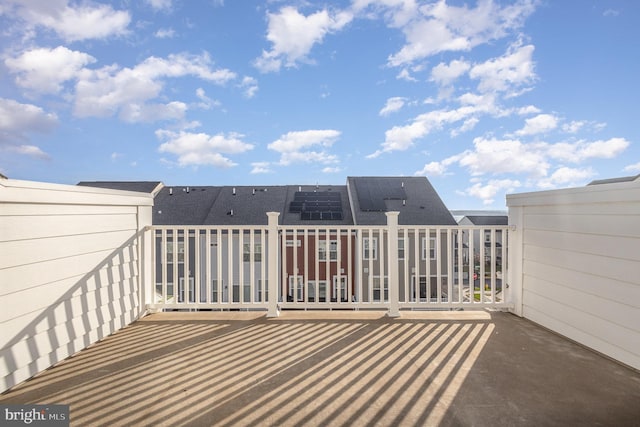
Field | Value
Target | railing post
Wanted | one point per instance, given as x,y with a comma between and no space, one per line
145,261
272,266
515,254
392,256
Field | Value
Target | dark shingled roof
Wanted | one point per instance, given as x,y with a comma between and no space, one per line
139,186
249,205
488,219
614,180
239,205
414,197
177,206
422,205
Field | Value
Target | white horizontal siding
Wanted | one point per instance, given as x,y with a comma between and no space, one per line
69,271
580,272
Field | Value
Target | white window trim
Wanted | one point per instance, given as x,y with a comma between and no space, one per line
433,242
366,246
169,253
333,250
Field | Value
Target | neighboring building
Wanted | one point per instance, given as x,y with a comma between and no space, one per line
482,239
336,257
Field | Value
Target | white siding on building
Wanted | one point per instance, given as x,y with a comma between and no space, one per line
580,269
69,271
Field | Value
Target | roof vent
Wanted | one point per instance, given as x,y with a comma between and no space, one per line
171,191
187,190
404,202
230,213
234,191
253,192
402,184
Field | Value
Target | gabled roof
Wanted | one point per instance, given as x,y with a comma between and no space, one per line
239,205
366,198
487,219
149,187
414,197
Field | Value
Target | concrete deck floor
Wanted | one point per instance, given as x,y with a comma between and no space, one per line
337,368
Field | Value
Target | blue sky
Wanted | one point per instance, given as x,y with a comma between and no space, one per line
484,98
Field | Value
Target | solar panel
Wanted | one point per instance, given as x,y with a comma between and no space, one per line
317,205
372,193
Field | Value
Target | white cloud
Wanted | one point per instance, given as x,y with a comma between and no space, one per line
433,169
250,86
72,22
633,168
487,192
405,75
574,126
196,149
18,120
260,167
159,4
330,169
126,91
295,147
444,74
541,123
496,156
566,177
293,35
529,109
45,70
27,150
468,125
165,33
393,104
134,113
580,151
438,27
205,102
400,138
507,73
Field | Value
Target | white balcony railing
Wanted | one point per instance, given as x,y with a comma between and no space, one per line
386,267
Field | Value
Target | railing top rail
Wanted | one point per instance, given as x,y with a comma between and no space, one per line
331,227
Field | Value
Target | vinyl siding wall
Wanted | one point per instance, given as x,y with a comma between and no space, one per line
580,269
69,271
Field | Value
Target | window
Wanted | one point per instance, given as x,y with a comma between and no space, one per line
296,288
170,246
340,288
401,249
431,249
322,250
380,294
291,243
257,252
370,248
